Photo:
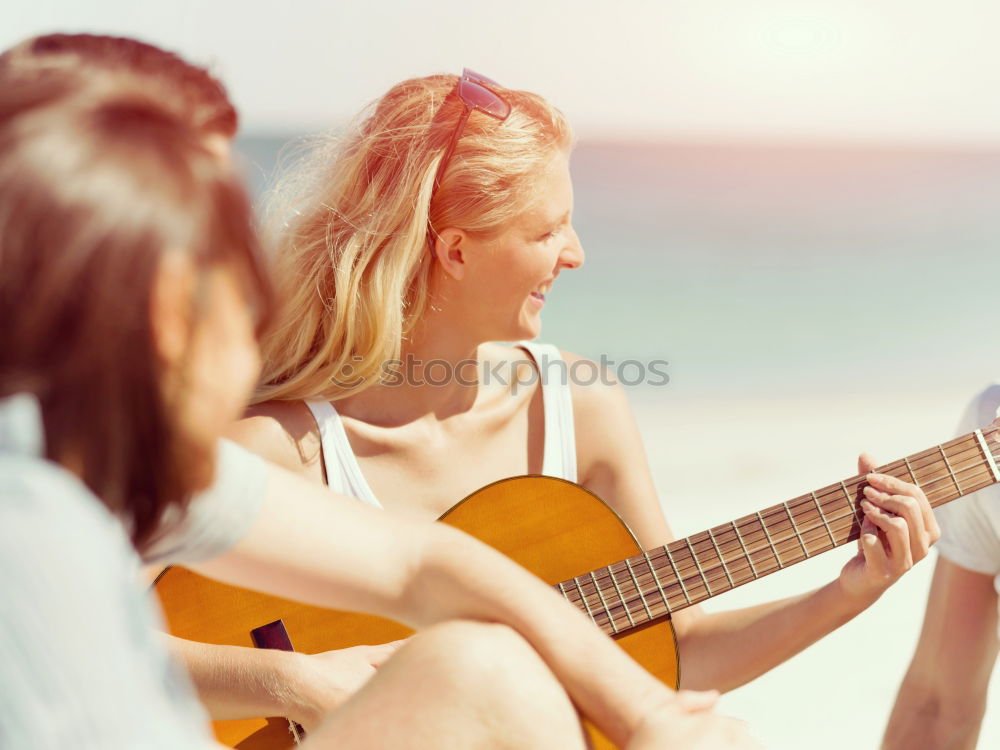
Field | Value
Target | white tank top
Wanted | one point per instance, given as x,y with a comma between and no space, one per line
343,474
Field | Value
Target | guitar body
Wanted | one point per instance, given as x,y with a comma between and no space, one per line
554,528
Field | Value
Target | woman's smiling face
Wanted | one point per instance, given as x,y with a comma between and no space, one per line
507,276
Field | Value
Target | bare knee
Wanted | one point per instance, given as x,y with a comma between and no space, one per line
478,648
490,667
486,655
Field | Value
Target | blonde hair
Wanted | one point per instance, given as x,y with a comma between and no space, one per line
354,219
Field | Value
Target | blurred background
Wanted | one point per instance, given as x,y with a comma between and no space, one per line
794,203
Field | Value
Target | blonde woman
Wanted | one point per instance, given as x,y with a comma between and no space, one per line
406,248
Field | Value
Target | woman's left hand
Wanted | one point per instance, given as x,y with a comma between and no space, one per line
898,530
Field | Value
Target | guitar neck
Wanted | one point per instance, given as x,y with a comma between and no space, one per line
633,592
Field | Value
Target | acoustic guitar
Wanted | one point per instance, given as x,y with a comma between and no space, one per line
571,539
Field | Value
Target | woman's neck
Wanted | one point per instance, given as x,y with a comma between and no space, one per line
437,375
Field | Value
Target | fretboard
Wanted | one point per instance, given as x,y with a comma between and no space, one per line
652,585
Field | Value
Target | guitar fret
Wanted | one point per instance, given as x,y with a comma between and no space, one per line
607,609
768,535
642,596
621,596
586,604
677,574
656,579
909,468
947,464
746,552
822,517
850,501
562,590
722,560
697,563
796,529
987,454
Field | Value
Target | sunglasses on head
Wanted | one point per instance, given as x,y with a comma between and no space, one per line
476,97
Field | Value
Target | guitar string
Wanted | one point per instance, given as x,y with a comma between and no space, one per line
976,465
652,593
806,521
716,584
788,544
782,543
801,521
837,495
972,470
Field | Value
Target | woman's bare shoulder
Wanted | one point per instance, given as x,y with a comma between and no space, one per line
283,432
601,409
594,386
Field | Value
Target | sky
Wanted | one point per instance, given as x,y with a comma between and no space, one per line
888,71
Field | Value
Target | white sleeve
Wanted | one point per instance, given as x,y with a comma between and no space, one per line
218,517
969,533
79,665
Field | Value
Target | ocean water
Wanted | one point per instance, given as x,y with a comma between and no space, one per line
766,270
812,302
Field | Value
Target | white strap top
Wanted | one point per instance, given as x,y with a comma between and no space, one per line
343,474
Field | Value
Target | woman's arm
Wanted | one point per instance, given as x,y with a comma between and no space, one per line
941,701
613,465
344,555
238,682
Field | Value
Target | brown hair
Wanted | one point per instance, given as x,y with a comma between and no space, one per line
95,186
195,96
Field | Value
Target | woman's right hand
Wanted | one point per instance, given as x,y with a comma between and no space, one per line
324,681
688,722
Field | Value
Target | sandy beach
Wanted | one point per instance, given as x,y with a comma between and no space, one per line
714,460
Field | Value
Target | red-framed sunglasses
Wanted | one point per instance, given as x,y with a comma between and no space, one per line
476,97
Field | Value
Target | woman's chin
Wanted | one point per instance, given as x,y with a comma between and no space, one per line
527,326
530,329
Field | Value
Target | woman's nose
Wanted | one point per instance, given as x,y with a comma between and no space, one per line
572,255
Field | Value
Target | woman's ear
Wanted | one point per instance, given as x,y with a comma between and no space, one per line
449,250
